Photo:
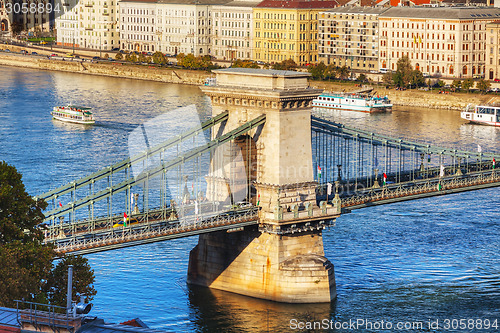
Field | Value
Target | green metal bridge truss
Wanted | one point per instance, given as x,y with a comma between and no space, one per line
353,162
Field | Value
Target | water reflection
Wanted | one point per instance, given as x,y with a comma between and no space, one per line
213,310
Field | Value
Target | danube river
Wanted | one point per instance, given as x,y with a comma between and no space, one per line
425,262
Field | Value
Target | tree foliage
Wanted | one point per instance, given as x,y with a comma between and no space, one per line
456,85
286,65
192,62
118,56
159,58
467,84
57,280
317,71
25,262
483,85
245,64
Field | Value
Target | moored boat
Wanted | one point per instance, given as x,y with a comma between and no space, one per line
482,114
73,114
353,102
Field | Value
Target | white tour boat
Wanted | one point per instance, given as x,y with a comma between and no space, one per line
482,114
354,102
73,114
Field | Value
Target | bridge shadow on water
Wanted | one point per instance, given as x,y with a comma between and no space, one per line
219,311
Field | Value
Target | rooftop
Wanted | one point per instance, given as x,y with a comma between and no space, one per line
299,4
452,13
358,10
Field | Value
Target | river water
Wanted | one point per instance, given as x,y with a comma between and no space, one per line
426,262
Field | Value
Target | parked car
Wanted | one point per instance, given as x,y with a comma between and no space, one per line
496,80
24,52
115,49
6,50
96,58
34,53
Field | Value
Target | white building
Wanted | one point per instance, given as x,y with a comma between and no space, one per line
138,25
66,23
441,41
232,29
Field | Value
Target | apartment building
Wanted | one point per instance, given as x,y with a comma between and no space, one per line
348,36
89,24
441,41
66,24
492,70
138,22
288,30
32,20
232,29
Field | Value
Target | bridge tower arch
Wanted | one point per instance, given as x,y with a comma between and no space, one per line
283,258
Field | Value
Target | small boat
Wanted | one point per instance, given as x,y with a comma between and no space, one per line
482,114
73,114
353,102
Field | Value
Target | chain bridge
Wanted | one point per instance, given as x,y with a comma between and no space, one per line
258,182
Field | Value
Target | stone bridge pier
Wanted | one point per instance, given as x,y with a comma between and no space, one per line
271,166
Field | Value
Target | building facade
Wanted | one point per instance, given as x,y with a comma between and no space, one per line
232,30
440,41
348,36
66,24
34,18
288,30
138,22
96,23
492,50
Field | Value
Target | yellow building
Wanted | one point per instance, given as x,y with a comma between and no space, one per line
288,30
492,70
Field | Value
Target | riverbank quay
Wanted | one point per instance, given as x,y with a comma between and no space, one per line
113,69
411,97
432,99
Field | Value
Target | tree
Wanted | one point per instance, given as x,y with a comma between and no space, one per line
483,85
317,71
119,56
404,72
331,71
244,64
285,65
456,85
362,78
467,84
57,281
343,72
159,58
106,56
388,78
25,261
20,214
417,78
142,58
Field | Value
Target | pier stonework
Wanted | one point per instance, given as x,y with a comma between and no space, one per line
283,259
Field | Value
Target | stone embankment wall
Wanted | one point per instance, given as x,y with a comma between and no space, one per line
140,72
417,98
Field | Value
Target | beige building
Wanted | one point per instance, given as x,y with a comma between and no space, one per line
232,29
348,36
492,50
440,41
96,23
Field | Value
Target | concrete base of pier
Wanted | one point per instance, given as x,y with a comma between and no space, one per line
289,268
